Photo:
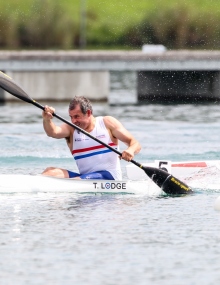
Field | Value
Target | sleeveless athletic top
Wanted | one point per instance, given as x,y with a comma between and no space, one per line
91,156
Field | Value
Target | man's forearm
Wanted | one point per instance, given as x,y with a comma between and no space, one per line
135,147
49,127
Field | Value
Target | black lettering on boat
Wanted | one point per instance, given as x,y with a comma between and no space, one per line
102,186
112,185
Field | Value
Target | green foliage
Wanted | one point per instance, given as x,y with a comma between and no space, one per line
177,26
126,23
50,26
45,24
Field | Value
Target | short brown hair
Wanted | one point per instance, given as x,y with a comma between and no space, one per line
83,102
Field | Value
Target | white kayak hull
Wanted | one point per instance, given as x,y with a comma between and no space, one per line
16,183
193,173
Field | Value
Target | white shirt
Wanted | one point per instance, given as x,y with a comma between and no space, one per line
91,156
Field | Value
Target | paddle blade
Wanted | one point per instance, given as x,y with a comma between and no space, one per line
168,183
174,186
11,87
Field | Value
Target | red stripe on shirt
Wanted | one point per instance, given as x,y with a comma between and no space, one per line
92,148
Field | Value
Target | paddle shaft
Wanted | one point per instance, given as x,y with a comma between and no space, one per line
84,132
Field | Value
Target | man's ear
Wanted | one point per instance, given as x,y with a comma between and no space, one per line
89,113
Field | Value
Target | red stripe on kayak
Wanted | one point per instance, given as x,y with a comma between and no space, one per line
92,148
190,164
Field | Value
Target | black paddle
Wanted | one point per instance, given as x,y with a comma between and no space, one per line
168,183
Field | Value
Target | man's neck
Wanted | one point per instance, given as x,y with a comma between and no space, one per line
91,126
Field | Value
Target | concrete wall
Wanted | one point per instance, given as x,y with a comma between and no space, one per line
62,85
162,77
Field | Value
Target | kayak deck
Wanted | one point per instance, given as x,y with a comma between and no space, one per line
18,183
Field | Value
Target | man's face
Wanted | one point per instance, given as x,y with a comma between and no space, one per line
80,119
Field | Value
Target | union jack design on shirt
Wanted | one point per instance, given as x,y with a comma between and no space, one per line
91,151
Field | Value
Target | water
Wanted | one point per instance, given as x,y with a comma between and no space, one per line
109,239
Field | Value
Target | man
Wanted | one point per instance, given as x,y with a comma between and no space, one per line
94,161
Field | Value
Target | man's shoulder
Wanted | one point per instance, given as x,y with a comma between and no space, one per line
110,118
110,121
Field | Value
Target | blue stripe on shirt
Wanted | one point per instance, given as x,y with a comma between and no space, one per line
91,154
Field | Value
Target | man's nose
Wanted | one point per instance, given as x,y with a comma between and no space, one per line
74,121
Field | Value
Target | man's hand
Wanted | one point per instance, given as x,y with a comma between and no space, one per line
48,113
127,155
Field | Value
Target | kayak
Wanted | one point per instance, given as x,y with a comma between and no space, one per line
18,183
203,175
197,174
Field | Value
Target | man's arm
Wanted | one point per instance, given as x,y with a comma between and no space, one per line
50,128
119,132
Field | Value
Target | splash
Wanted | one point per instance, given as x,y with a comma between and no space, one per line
207,178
